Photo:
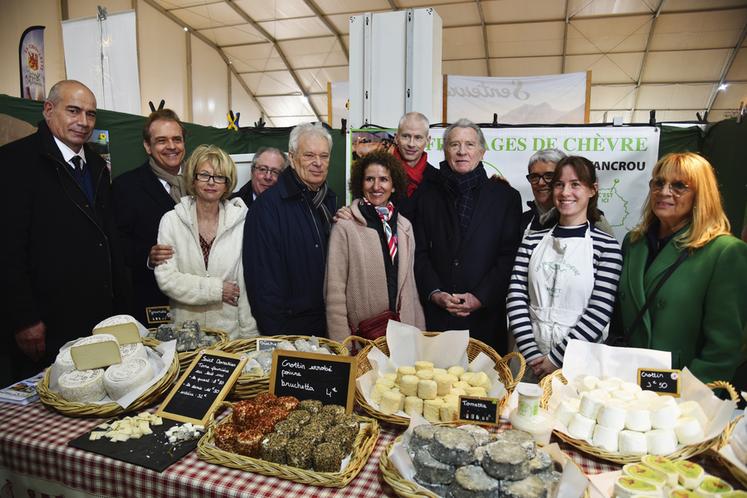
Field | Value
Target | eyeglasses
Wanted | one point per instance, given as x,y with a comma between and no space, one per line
204,177
677,188
264,170
534,178
310,156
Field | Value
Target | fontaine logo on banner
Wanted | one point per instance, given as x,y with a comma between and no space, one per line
624,158
31,62
557,98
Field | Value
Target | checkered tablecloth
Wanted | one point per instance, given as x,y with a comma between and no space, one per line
33,441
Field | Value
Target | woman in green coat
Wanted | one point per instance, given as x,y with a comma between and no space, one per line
700,313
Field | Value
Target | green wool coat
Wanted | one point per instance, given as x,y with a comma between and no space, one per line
699,314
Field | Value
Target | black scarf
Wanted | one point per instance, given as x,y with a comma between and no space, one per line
464,187
373,221
317,200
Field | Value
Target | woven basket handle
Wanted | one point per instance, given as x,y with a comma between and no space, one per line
720,384
522,365
351,339
546,385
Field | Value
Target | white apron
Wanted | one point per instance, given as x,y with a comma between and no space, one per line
560,280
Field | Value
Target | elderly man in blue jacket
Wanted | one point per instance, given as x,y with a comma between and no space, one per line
285,240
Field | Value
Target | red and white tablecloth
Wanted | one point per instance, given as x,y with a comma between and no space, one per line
33,443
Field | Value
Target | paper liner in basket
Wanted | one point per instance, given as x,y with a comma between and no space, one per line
161,357
573,482
585,358
408,344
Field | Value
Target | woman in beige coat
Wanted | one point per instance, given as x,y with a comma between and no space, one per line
370,262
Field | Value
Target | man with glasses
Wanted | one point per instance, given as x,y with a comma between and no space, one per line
267,164
285,240
542,213
140,198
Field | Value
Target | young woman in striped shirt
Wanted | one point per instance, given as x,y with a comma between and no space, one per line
565,277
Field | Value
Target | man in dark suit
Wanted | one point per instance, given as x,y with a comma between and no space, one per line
466,237
61,261
140,198
267,164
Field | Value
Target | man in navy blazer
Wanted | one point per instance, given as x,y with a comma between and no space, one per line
141,197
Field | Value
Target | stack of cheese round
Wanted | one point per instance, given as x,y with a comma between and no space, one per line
427,391
87,386
660,477
619,417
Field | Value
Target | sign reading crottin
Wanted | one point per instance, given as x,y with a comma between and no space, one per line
326,378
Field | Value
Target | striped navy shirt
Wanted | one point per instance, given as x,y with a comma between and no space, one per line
592,322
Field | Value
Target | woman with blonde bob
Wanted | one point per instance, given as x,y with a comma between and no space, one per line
205,278
699,312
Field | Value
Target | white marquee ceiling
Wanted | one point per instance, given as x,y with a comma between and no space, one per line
667,55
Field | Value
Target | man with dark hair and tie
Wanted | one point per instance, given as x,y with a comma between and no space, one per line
140,198
61,268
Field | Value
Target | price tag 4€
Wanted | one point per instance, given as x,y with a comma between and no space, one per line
662,382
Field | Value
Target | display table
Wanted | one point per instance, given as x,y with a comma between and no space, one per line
34,452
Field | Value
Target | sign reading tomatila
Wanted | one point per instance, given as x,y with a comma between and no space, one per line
664,382
323,377
479,410
202,387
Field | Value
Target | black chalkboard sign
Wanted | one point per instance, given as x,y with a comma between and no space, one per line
267,344
202,387
326,378
475,409
665,382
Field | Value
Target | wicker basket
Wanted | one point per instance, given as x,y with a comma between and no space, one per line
473,349
681,454
362,448
409,489
186,357
720,443
247,385
75,409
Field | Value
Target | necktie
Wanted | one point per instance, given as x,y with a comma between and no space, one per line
76,160
80,177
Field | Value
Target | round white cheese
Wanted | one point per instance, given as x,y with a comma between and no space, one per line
83,386
122,378
64,360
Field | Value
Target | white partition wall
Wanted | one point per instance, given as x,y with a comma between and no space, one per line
395,66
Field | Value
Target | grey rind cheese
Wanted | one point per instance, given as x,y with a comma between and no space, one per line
453,446
516,436
422,435
504,460
540,463
430,470
531,487
481,435
471,481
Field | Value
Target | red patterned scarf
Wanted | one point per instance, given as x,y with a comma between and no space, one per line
414,173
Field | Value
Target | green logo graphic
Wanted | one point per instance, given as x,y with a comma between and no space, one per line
613,204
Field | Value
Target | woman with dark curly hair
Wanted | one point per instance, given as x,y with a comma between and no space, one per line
370,259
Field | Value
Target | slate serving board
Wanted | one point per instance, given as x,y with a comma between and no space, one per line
152,451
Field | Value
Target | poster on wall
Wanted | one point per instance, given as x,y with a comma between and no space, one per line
552,99
31,62
623,156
